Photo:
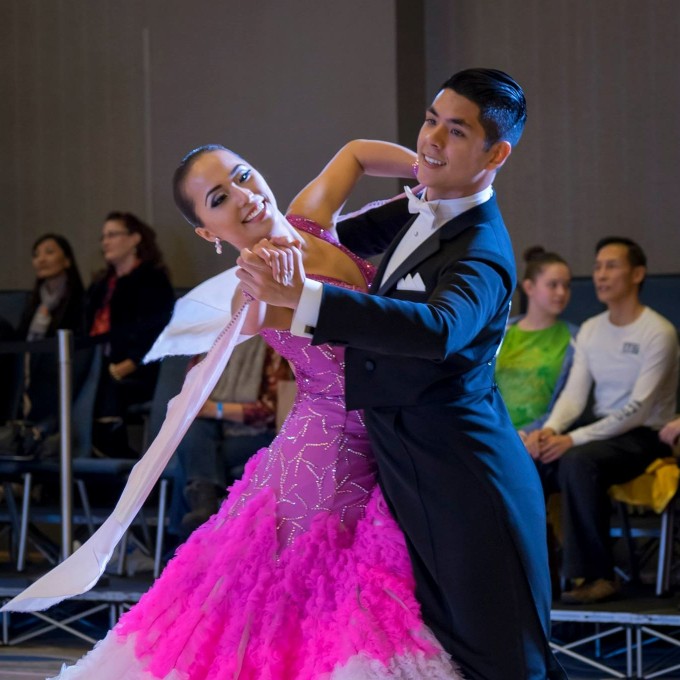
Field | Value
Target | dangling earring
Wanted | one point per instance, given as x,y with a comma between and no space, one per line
414,167
218,246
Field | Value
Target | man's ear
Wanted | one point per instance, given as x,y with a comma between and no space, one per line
205,234
639,274
499,154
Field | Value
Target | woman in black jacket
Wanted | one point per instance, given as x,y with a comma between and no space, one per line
129,303
56,302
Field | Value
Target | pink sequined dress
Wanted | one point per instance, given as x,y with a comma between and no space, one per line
302,573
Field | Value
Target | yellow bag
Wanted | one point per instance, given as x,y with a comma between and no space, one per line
654,488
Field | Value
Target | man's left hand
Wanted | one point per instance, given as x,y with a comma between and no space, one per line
554,447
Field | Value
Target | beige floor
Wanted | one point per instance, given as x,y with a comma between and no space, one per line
37,662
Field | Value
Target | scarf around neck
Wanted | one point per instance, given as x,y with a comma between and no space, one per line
51,296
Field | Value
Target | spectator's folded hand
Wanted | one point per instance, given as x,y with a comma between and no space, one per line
670,432
532,443
554,446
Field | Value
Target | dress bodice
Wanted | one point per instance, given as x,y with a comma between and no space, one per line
320,461
319,369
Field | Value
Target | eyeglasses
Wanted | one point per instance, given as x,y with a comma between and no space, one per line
113,234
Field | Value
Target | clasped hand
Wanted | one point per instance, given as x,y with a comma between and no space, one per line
272,271
670,433
545,445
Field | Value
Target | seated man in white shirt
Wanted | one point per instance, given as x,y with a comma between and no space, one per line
629,353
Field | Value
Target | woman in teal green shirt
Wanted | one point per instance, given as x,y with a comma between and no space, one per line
536,355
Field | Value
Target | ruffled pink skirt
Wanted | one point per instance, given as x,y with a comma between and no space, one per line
334,605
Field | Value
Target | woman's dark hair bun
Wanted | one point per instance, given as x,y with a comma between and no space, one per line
533,253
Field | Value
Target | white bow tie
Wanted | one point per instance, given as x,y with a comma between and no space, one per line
418,205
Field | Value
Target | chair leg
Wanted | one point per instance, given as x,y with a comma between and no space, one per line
15,521
122,553
87,508
160,528
23,530
663,574
630,545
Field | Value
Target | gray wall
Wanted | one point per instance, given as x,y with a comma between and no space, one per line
601,149
101,98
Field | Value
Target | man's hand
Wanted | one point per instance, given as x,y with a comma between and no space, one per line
670,432
272,272
554,447
545,445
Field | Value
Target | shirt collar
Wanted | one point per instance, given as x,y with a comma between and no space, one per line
445,209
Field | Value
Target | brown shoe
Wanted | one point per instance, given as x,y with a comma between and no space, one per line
591,591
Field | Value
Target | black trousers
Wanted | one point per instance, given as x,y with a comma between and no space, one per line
583,475
467,496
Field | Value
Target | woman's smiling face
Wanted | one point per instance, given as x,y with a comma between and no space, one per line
231,199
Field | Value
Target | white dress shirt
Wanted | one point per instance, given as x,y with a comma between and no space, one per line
431,216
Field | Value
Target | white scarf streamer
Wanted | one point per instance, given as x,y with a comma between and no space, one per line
197,323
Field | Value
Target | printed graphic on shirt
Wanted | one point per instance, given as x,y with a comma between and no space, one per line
631,348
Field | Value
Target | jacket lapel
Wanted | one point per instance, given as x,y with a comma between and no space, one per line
375,286
477,215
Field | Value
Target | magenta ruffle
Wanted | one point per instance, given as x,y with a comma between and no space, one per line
229,605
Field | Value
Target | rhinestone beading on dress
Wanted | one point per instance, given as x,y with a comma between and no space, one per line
320,461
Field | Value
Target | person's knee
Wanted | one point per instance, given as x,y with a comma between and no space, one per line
574,465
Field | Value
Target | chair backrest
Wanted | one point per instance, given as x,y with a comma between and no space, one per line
170,381
12,305
86,369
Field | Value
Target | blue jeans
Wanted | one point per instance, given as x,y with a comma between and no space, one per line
208,454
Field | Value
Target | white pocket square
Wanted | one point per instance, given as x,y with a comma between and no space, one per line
414,282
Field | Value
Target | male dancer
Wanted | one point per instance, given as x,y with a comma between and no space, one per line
420,362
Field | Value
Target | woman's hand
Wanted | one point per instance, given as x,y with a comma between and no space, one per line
272,272
279,253
532,443
122,369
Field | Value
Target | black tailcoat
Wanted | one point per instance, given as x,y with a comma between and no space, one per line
453,470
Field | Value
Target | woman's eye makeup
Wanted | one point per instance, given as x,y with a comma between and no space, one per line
217,199
244,175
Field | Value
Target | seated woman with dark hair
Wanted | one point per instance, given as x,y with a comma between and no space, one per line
131,301
56,302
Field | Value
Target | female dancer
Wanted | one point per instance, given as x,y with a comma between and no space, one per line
303,573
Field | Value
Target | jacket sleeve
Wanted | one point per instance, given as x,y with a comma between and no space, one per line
369,233
574,397
465,298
